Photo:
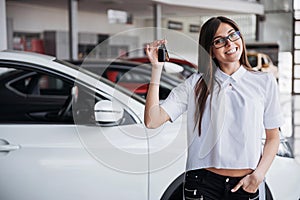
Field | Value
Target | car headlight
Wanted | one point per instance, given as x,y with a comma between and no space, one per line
284,149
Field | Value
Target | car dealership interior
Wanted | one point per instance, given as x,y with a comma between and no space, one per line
83,31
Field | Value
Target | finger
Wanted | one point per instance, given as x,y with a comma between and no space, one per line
147,49
157,43
240,184
250,189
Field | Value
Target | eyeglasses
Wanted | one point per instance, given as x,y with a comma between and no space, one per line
221,42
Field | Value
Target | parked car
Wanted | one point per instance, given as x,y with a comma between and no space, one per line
176,66
66,133
134,76
262,62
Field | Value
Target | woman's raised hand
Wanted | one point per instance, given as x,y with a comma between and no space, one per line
152,51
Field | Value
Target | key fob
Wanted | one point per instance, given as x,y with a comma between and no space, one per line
162,53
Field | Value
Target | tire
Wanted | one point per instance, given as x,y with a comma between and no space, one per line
268,193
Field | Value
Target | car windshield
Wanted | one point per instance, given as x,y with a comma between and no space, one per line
98,77
133,76
252,60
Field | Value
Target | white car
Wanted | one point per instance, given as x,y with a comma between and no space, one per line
68,134
262,62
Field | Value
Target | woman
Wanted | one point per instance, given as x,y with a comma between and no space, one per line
229,107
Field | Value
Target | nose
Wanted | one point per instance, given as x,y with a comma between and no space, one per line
228,42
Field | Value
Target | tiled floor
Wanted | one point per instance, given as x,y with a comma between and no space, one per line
291,110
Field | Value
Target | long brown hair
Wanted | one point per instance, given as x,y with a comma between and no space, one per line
207,65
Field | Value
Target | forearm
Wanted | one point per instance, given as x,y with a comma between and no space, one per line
154,116
250,183
269,152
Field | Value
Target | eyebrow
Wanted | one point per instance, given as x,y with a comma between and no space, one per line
221,36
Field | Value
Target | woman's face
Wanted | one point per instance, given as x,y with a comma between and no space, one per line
232,51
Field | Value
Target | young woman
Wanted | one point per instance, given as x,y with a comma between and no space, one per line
229,107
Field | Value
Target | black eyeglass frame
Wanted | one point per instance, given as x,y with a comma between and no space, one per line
227,38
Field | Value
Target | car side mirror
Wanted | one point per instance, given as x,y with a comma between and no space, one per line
108,113
173,68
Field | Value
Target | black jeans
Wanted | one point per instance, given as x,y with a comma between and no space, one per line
202,184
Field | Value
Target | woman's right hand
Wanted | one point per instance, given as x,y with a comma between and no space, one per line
152,52
154,115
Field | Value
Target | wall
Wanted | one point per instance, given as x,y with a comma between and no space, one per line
32,18
37,19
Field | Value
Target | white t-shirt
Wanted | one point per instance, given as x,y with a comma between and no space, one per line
244,106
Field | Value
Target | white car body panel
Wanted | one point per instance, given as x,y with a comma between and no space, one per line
56,161
52,163
283,178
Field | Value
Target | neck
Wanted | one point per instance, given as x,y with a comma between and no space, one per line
230,68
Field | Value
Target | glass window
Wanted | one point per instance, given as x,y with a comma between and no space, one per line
32,97
83,108
297,57
252,60
297,42
297,71
297,86
297,27
297,14
39,84
271,33
278,5
296,4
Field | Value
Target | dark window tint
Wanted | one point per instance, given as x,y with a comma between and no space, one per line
252,60
29,96
33,97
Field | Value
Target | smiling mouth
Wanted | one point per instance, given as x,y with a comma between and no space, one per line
231,51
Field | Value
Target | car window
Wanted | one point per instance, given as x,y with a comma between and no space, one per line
252,60
83,108
137,81
33,83
263,61
29,97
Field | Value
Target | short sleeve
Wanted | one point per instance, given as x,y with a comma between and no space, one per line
177,101
273,117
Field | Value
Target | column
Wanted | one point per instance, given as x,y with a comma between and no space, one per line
73,29
3,28
157,22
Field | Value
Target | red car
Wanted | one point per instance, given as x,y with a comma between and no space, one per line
179,67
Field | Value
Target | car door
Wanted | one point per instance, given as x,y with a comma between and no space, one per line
56,152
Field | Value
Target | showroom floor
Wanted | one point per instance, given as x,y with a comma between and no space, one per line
291,129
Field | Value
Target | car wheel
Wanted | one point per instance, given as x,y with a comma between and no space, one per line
268,193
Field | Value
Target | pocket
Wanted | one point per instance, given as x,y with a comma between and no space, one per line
254,197
243,195
192,192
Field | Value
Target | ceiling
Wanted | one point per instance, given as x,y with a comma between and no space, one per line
144,8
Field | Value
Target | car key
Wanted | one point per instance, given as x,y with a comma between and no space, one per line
163,54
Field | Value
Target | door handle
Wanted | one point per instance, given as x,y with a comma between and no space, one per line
9,147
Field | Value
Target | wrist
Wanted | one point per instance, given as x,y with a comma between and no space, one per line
258,175
155,75
157,66
154,83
